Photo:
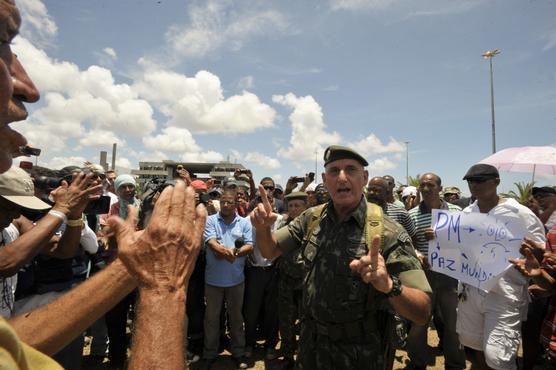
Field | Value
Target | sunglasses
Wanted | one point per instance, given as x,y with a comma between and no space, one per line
268,187
479,180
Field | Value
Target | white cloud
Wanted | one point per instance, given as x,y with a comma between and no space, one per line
360,4
37,24
373,145
380,165
123,163
447,8
57,163
77,101
246,83
110,52
307,127
262,160
106,57
172,139
198,104
208,156
223,24
550,40
101,138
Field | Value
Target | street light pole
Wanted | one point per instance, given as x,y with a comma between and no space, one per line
316,164
489,54
407,162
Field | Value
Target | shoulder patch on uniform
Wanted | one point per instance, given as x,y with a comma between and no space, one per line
404,237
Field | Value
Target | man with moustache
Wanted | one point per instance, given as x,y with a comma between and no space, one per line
347,279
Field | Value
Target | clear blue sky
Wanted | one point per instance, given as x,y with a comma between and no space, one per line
268,83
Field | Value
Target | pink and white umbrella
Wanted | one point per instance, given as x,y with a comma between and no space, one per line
541,159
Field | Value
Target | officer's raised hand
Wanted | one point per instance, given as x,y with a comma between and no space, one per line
262,216
372,268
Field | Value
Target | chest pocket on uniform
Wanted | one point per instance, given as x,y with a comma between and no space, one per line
349,289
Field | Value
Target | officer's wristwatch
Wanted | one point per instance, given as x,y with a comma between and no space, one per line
396,287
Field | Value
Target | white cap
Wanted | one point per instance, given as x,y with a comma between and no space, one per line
409,190
311,187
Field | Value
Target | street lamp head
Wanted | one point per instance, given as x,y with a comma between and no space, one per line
490,53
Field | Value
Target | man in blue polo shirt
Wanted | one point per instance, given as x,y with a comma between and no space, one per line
229,239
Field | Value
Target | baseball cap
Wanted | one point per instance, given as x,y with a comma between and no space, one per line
17,186
230,181
409,190
296,195
482,170
451,190
311,187
198,185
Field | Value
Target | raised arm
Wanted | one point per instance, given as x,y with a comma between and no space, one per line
262,219
162,260
70,202
52,327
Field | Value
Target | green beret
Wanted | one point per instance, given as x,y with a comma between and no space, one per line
296,195
336,152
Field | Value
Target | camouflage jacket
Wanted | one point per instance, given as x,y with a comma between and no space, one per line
332,293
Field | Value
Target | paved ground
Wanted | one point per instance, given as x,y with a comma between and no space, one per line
225,362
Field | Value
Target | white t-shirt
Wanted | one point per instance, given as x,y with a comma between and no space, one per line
8,284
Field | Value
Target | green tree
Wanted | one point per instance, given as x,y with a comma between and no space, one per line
413,181
523,193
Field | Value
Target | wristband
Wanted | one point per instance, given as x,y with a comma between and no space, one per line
60,215
78,222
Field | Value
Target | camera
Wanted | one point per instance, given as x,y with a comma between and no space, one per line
29,151
299,179
46,182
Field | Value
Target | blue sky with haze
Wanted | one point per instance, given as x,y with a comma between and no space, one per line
268,83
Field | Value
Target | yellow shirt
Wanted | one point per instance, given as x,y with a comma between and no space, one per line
16,355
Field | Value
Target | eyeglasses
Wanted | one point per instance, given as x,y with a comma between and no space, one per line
479,180
268,187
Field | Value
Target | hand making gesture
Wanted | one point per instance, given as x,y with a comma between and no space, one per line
372,268
163,255
262,216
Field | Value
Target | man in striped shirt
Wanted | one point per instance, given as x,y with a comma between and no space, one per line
377,193
444,288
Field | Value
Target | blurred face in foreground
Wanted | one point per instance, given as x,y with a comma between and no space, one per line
15,86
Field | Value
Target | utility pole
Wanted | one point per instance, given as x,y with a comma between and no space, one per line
489,54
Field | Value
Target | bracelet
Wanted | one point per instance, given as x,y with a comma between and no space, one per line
78,222
61,215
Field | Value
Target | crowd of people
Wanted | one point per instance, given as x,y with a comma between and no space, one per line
337,273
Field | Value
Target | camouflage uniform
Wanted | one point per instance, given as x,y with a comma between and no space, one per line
291,270
340,321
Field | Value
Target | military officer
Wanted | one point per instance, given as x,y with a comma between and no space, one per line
353,266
